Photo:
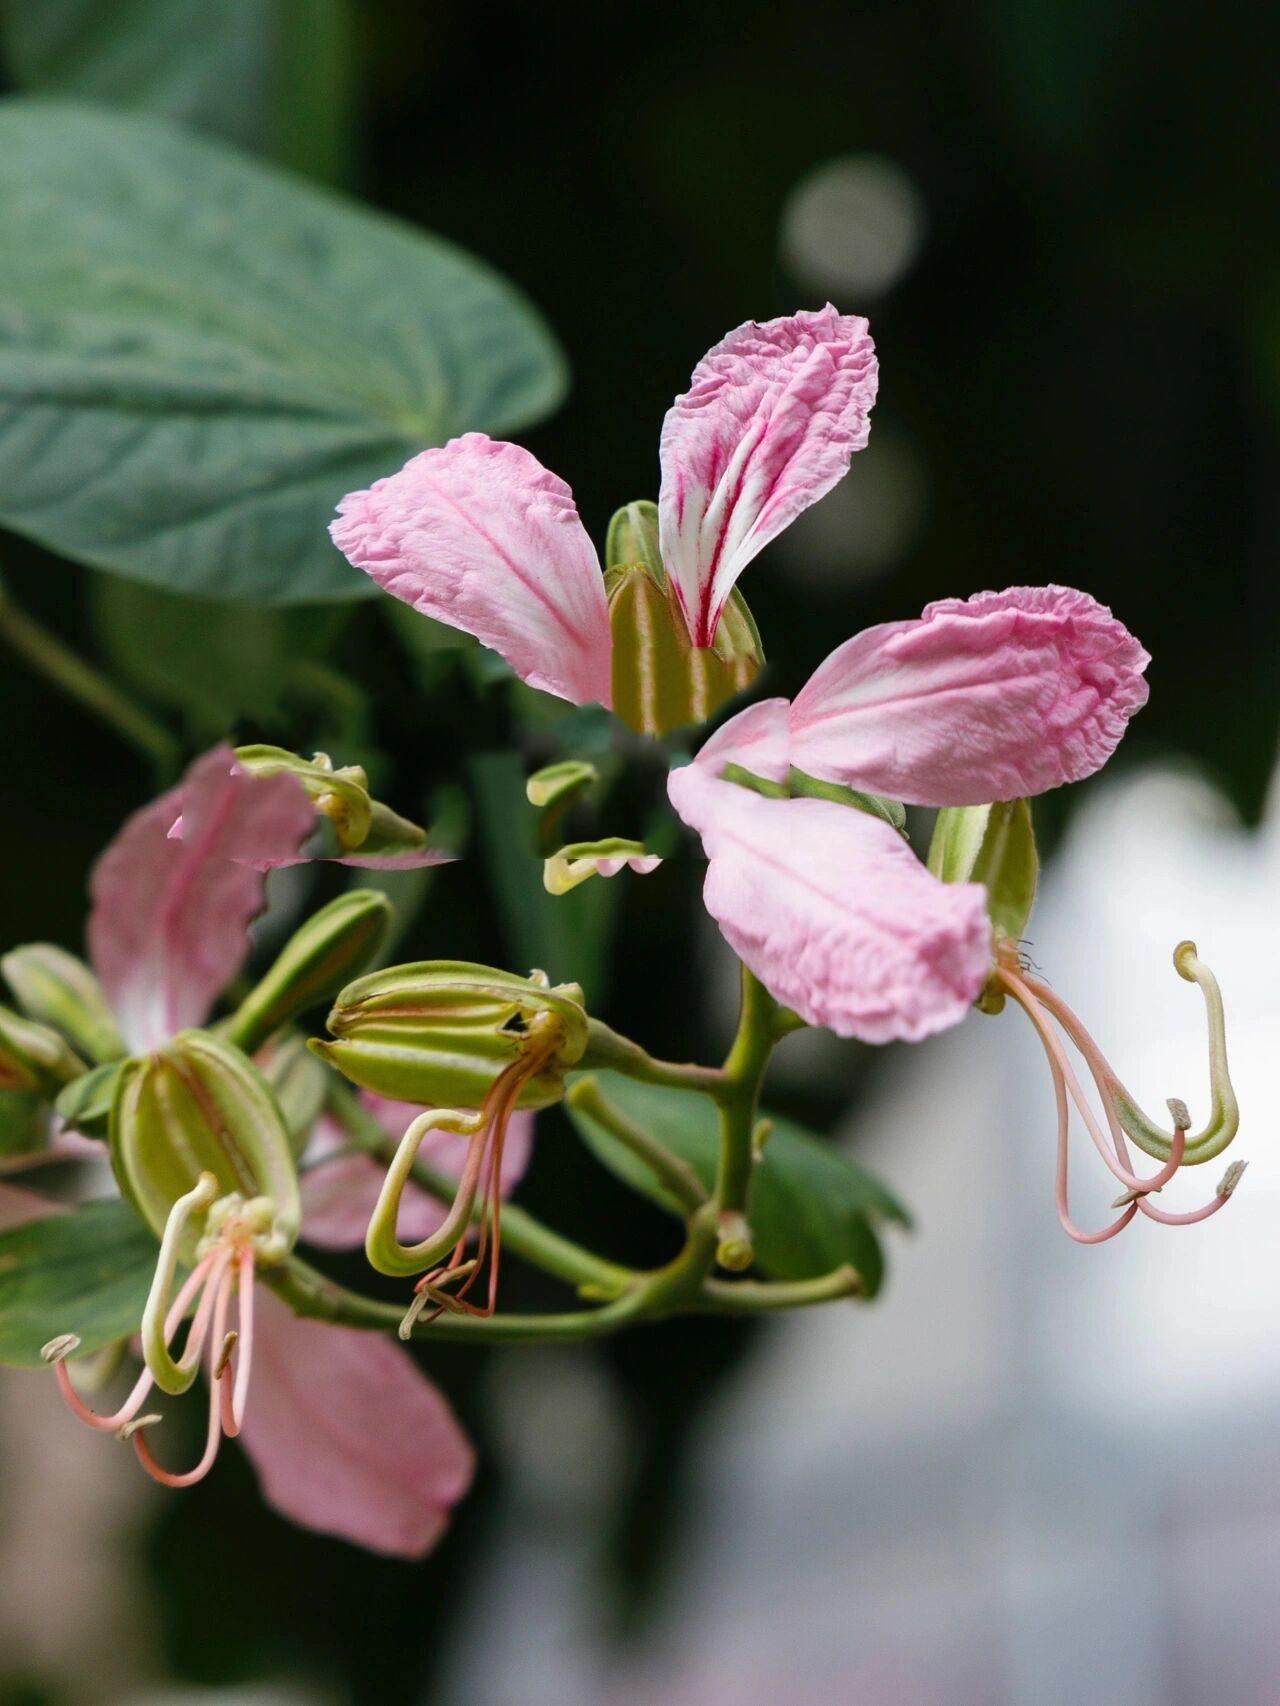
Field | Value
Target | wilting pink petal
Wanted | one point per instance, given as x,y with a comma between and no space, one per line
1001,695
169,925
771,418
481,536
757,739
834,914
339,1195
348,1437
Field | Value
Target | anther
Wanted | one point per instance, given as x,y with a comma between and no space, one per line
224,1355
63,1346
1231,1178
1178,1114
127,1430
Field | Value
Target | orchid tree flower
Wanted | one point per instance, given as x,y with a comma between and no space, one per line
169,930
479,535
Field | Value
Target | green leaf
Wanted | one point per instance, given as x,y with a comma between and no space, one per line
250,71
242,350
85,1272
811,1207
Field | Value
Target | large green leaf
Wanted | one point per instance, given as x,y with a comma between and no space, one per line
85,1272
199,355
811,1209
272,75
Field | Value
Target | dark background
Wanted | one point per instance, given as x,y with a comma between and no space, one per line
1083,368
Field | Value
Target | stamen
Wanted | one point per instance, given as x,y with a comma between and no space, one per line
213,1435
235,1398
382,1246
170,1376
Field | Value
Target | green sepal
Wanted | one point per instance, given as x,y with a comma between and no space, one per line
661,681
633,538
57,989
320,957
85,1106
199,1105
994,845
558,786
439,1032
299,1083
805,787
574,863
341,794
34,1057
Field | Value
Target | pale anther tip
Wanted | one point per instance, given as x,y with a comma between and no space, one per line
126,1430
1133,1195
61,1347
1231,1178
224,1355
1178,1113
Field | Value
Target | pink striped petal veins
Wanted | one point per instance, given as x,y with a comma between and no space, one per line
481,536
834,914
170,918
347,1435
770,421
994,697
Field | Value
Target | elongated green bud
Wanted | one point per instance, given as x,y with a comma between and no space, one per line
360,822
200,1107
35,1057
57,989
317,960
439,1033
633,538
85,1106
994,845
661,680
299,1083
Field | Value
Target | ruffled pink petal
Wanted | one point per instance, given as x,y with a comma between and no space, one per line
348,1437
834,914
340,1195
990,698
169,925
769,423
757,739
479,535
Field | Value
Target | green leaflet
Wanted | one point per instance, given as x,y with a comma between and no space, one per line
244,350
811,1208
85,1272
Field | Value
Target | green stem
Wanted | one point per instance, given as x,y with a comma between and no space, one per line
522,1234
763,1297
744,1072
607,1051
676,1175
80,681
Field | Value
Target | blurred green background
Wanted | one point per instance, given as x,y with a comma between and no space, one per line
1060,220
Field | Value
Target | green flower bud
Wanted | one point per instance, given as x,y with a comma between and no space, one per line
59,990
661,680
633,538
299,1083
361,823
440,1033
328,950
85,1106
199,1107
34,1057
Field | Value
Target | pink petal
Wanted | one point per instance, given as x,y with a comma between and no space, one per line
414,860
758,739
19,1205
348,1437
834,914
339,1196
1001,695
769,423
479,535
642,864
169,925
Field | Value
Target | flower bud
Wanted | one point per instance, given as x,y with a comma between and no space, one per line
325,953
199,1107
33,1057
994,845
633,538
661,680
361,823
439,1033
59,990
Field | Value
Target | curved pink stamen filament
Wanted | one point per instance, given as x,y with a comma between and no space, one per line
234,1399
195,1338
213,1435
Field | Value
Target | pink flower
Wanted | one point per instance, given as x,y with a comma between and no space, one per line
479,535
167,933
997,697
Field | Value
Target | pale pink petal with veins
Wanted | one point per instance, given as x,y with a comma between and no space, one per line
348,1437
769,423
339,1195
170,920
480,535
834,914
994,697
